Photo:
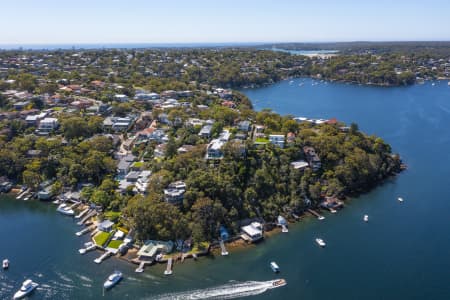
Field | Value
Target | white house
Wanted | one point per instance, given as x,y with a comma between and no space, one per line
277,140
252,232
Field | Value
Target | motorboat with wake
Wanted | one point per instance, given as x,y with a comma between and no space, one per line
27,287
112,280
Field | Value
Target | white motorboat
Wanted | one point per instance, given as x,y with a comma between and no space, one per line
320,242
279,282
5,264
366,218
65,210
274,267
112,280
400,199
27,287
320,217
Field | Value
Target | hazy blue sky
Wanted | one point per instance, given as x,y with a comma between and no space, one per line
172,21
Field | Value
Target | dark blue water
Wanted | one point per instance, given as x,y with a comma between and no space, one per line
402,253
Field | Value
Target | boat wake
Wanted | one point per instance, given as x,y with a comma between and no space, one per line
227,291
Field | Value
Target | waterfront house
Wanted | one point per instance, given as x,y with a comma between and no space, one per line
332,203
151,249
252,232
105,226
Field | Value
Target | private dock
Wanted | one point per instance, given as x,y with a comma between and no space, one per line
168,270
141,267
87,217
314,213
103,257
22,194
224,250
85,230
81,214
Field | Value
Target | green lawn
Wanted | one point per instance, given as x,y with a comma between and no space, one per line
138,164
262,140
115,244
112,215
101,238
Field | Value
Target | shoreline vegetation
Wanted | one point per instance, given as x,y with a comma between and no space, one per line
160,154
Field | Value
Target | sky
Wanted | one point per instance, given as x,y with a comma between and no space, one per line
219,21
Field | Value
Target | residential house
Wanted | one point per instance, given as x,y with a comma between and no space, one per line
47,125
174,193
214,148
277,140
252,232
299,165
312,158
244,126
205,132
121,98
21,105
151,249
105,226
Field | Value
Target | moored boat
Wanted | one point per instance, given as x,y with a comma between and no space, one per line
27,287
400,199
65,210
366,218
274,267
5,264
112,280
320,242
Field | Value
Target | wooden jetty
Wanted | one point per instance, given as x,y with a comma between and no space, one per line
222,247
168,270
81,214
314,213
87,217
103,257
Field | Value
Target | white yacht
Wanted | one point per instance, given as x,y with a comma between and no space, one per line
5,264
112,280
65,210
400,199
320,242
27,287
274,267
320,217
366,218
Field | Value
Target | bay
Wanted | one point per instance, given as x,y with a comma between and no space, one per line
401,253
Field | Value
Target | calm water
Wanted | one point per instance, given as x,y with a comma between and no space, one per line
402,253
